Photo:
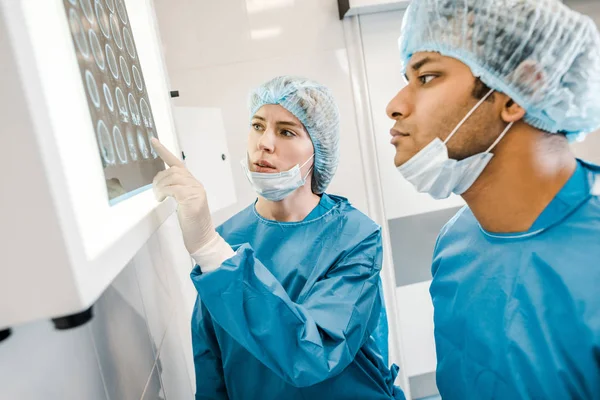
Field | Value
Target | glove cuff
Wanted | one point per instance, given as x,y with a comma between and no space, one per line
210,256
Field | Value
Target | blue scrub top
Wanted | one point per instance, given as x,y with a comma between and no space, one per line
517,316
292,313
381,332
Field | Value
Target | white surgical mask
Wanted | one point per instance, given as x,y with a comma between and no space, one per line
432,171
276,186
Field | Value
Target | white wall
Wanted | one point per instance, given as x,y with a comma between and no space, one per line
380,37
590,148
366,3
229,47
416,318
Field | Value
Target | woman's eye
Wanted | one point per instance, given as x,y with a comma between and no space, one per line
425,79
256,127
288,133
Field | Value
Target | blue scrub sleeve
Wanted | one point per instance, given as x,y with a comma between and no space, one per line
207,357
303,342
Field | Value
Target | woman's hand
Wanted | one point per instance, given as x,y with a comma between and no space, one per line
192,210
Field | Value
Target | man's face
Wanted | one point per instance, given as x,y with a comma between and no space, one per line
439,94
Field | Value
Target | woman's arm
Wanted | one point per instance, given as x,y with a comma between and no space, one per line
304,342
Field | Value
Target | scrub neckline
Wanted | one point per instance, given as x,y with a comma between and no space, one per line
575,192
335,199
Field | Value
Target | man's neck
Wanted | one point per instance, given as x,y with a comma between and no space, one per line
528,169
294,208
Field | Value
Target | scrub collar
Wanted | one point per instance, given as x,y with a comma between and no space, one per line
576,192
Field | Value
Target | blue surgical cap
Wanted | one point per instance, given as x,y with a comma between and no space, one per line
542,54
314,105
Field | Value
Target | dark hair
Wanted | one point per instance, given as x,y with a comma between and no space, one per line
480,89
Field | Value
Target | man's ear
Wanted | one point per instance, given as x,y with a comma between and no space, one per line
511,111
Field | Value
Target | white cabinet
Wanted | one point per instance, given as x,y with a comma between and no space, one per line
201,133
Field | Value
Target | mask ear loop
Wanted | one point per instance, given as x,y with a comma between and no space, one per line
311,168
306,162
500,137
308,173
468,115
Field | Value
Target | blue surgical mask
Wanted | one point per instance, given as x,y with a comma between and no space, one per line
432,171
276,186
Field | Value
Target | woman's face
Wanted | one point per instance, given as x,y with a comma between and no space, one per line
278,141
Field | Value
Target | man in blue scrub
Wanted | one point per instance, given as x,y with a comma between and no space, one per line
496,91
289,293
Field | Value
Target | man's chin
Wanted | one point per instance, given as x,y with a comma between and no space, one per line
401,159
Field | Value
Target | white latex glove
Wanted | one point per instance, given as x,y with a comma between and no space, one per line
201,240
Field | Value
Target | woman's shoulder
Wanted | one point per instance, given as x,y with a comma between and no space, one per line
352,219
242,219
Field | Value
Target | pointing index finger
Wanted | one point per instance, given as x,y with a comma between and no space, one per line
169,158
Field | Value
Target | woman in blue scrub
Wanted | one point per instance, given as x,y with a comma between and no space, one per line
289,292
